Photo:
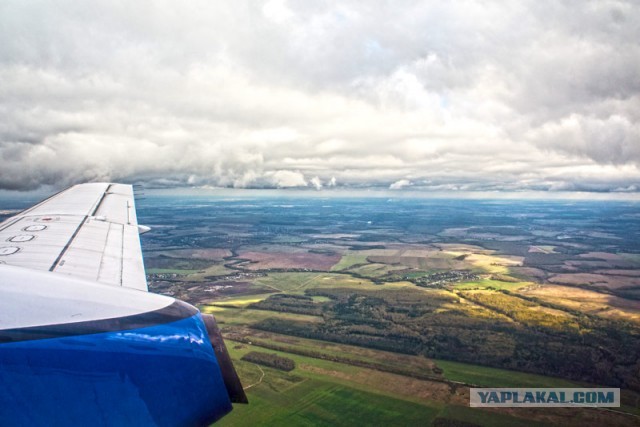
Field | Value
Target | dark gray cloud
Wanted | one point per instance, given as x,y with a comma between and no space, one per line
433,96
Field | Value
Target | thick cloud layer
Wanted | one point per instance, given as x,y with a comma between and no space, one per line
468,95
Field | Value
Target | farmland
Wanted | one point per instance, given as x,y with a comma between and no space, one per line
391,310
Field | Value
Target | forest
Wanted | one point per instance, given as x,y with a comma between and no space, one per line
483,327
270,360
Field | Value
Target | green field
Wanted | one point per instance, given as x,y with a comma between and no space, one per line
321,403
244,316
492,377
242,301
298,283
357,356
288,282
324,393
349,260
485,418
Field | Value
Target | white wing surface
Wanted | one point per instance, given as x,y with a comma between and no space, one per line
89,231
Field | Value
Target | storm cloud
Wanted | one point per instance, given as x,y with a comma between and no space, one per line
406,95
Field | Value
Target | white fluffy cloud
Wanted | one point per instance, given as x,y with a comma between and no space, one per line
400,184
285,179
316,182
471,95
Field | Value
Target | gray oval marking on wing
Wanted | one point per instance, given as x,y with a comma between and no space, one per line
8,250
22,238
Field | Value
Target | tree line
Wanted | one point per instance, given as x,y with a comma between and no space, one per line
270,360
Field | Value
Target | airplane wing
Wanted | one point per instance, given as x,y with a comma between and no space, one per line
82,341
88,231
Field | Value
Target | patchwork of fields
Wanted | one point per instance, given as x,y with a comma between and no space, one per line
391,311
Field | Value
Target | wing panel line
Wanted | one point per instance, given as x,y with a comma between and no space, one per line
104,194
66,247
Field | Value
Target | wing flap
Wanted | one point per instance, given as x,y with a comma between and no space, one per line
111,261
132,272
117,205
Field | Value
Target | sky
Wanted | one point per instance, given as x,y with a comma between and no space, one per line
425,96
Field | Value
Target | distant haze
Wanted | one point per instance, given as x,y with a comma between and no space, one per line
481,96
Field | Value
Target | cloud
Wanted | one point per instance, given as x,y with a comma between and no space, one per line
614,139
400,184
464,96
286,179
316,182
277,11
